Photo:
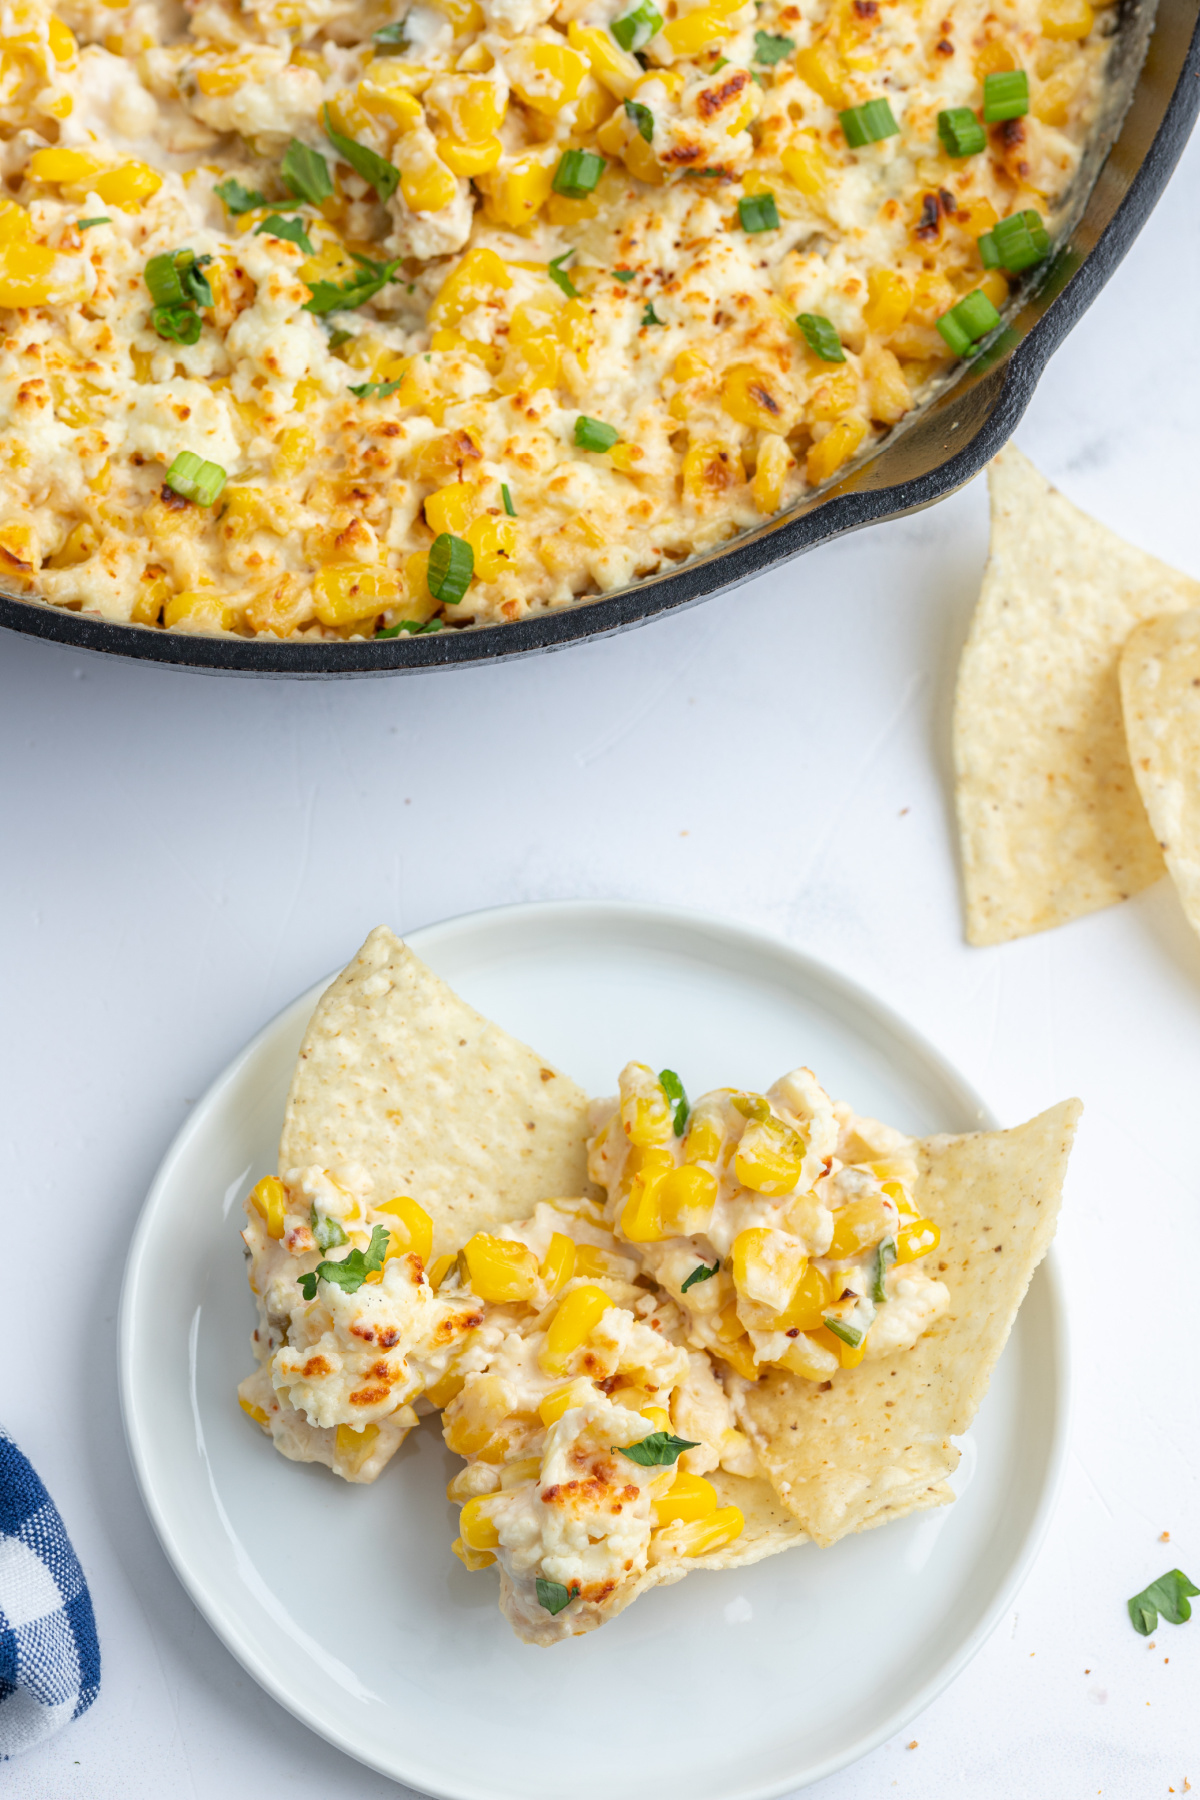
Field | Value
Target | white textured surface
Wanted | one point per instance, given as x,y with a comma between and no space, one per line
183,855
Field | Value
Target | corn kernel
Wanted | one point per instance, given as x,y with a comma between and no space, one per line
344,593
515,195
641,161
450,1386
739,1354
472,1559
821,68
469,159
204,609
515,1474
753,397
62,40
657,1416
766,1266
547,77
646,1116
995,286
712,1533
710,468
452,508
500,1270
269,1200
464,15
769,1157
63,165
150,601
859,1225
770,473
353,1447
808,1357
703,1140
594,105
641,1221
392,102
16,227
571,1326
477,1526
473,110
694,31
805,164
591,1261
413,1231
128,185
686,1197
811,1298
494,542
835,448
427,185
689,1497
613,67
558,1264
438,1270
294,449
889,298
917,1239
994,57
253,1412
576,1393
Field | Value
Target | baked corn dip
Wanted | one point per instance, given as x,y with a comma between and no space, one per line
781,1224
587,1425
323,318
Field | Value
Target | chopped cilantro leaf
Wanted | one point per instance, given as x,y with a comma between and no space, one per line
383,176
658,1451
390,38
290,229
86,224
352,1271
338,338
701,1272
650,317
305,173
623,274
237,199
554,1596
559,276
356,290
1169,1595
375,390
194,284
668,1080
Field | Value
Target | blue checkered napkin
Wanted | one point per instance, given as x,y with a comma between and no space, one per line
49,1653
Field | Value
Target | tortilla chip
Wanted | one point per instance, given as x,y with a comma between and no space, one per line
401,1080
876,1444
1049,816
1160,693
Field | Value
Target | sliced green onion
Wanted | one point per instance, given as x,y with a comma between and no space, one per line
1020,241
642,117
960,132
769,50
383,176
623,274
559,276
238,199
162,278
178,324
1005,96
507,498
194,283
390,38
849,1334
758,212
971,319
86,224
989,256
292,230
650,317
305,173
451,566
637,27
821,337
375,390
192,478
869,123
411,626
577,173
885,1256
593,434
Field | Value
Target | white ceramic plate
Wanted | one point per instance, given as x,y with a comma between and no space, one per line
729,1686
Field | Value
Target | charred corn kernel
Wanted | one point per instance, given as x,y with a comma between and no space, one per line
515,195
694,32
294,449
769,1157
686,1197
477,1526
494,542
547,77
204,609
437,1272
658,1416
479,276
766,1266
811,1298
576,1393
613,67
755,398
739,1354
413,1231
805,164
500,1269
835,448
704,1139
442,1392
427,186
807,1356
859,1225
344,593
126,186
472,1559
995,286
62,40
888,301
770,473
251,1411
353,1447
710,468
917,1239
452,508
269,1200
709,1534
822,69
689,1497
558,1264
641,1220
469,159
571,1326
63,165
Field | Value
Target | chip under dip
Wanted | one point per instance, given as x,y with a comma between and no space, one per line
1160,693
1049,815
875,1442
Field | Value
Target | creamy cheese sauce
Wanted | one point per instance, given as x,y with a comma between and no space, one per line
482,313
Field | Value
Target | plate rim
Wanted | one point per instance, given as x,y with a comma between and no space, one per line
224,1621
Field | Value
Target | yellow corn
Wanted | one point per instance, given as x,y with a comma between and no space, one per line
769,1158
206,609
1066,19
753,397
427,185
63,165
464,15
917,1239
821,68
449,1387
811,1297
590,1261
739,1354
494,542
126,186
16,227
251,1411
994,57
703,1140
807,1356
514,1474
477,1526
641,1220
489,355
500,1269
646,1116
694,32
391,101
438,1270
470,158
770,473
413,1231
658,1417
558,1264
641,161
571,1326
995,285
859,1225
889,391
294,449
710,468
515,195
613,67
354,1447
62,40
835,448
689,1497
150,601
547,77
1052,98
766,1266
686,1197
888,301
576,1393
269,1200
848,1356
474,110
711,1533
25,271
451,508
472,1559
344,593
805,164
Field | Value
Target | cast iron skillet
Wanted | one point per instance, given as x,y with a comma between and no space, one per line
946,444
